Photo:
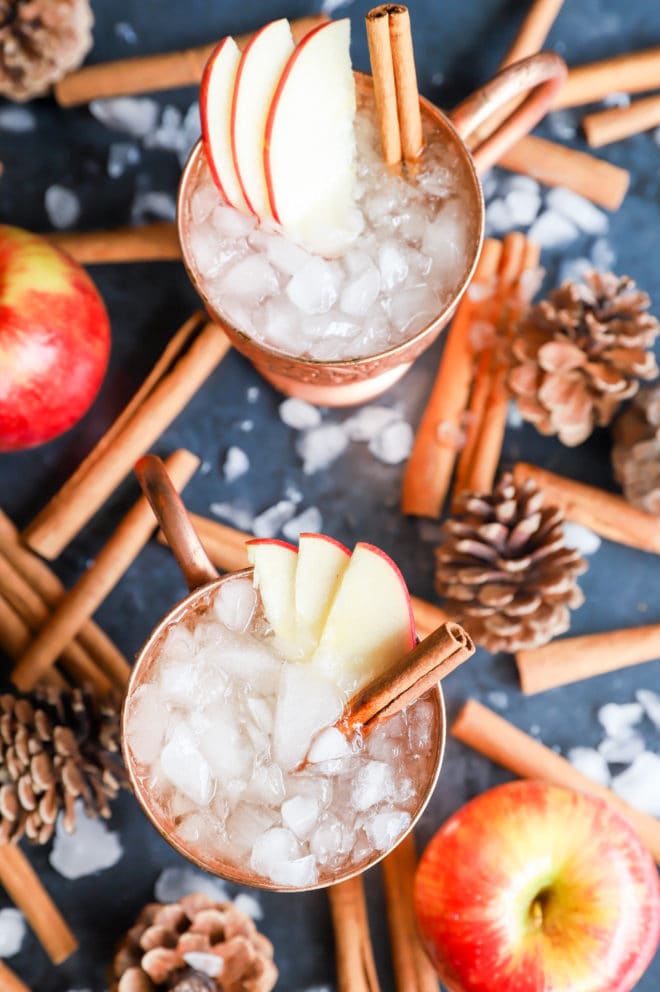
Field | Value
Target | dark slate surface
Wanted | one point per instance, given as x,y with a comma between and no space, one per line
458,47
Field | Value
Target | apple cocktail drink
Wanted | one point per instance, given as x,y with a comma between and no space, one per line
233,733
296,232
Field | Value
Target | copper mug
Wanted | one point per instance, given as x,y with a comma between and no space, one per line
351,381
203,580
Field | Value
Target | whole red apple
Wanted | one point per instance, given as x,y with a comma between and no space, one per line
54,340
533,888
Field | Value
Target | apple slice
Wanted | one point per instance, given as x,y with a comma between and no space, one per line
321,563
259,70
370,624
275,577
215,102
309,154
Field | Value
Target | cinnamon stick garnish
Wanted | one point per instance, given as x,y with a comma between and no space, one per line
356,968
632,72
225,546
605,513
91,589
10,982
24,888
555,165
413,970
147,73
575,658
179,374
158,242
382,71
533,30
409,679
617,123
506,745
395,82
428,472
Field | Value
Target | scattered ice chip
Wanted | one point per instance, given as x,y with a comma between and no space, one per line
176,882
603,255
167,134
618,719
384,828
563,124
153,204
238,516
234,604
12,931
582,538
329,7
639,785
209,964
574,269
329,744
236,463
513,416
321,446
394,443
309,521
372,784
249,905
360,292
126,32
299,414
552,230
185,767
62,206
90,848
368,422
270,521
313,289
591,763
136,116
252,277
621,750
523,206
122,156
16,119
300,815
651,702
252,394
617,100
307,702
498,699
578,209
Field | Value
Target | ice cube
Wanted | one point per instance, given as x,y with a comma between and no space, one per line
206,252
251,662
249,905
285,255
133,115
619,719
147,721
91,848
444,241
252,277
274,847
235,603
231,223
248,822
295,874
321,446
651,703
12,931
360,292
300,815
236,463
185,767
238,516
373,783
621,750
413,309
384,828
591,763
178,881
18,120
393,264
552,230
266,787
329,744
224,745
313,288
309,521
278,323
383,745
262,712
421,723
523,206
271,520
639,785
581,538
578,209
208,964
122,155
299,414
62,206
394,443
367,423
307,702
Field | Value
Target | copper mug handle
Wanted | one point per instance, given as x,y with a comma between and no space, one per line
540,76
175,523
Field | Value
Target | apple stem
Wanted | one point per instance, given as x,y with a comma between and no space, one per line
536,913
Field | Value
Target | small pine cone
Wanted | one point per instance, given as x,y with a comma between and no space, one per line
577,355
194,945
54,749
40,41
504,570
636,452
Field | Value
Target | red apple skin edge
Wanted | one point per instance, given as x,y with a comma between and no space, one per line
204,111
330,540
271,540
54,340
533,888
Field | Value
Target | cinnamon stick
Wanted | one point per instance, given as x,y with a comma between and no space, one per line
632,72
405,76
413,970
556,165
148,73
102,471
533,30
9,982
15,637
575,658
91,589
606,126
382,71
605,513
409,679
48,587
506,745
158,242
428,472
356,968
24,888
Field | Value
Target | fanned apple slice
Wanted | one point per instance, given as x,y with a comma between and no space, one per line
309,152
215,103
274,565
321,563
370,624
259,71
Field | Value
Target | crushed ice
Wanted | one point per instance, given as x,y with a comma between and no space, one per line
321,446
136,116
591,763
176,882
309,521
12,931
237,516
270,521
581,538
62,206
298,414
90,848
18,120
236,463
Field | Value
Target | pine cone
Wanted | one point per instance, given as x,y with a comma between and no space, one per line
636,452
505,571
40,41
55,748
577,355
194,945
